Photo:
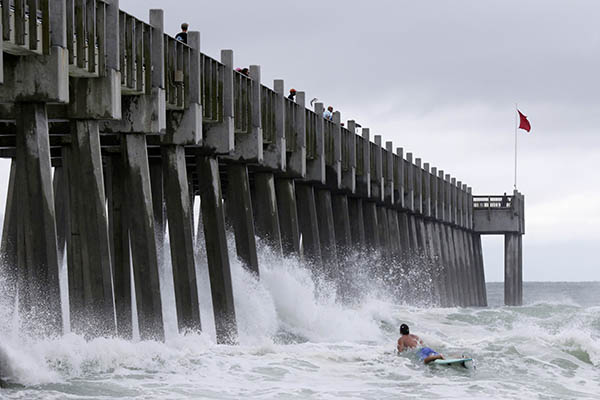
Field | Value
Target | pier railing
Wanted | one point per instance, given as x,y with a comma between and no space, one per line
348,149
242,86
360,155
489,202
26,26
211,89
329,135
268,99
177,77
290,109
86,33
311,134
135,55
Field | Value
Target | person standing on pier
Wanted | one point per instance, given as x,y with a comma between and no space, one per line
328,114
182,36
292,95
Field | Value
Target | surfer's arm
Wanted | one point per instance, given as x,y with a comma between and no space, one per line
400,346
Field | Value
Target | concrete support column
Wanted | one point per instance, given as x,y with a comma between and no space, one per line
308,222
266,215
371,225
341,221
463,283
440,264
90,280
513,274
213,221
383,226
326,231
240,215
357,223
118,229
8,246
480,270
453,266
413,235
288,215
157,183
394,232
39,291
472,269
404,227
144,252
181,237
434,257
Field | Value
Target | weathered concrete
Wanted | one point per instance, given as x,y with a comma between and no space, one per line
144,252
265,210
383,225
39,291
405,242
394,229
240,215
308,223
371,225
480,270
326,228
181,237
357,224
341,220
90,280
288,215
8,246
118,224
513,273
213,221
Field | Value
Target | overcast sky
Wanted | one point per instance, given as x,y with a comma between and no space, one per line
441,79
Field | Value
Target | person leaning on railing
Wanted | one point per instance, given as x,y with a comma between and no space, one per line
182,36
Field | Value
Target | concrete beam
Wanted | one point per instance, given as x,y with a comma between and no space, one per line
349,149
409,171
341,221
144,253
118,228
288,216
181,238
39,294
8,246
357,223
371,225
513,273
240,215
90,276
308,222
266,215
377,179
399,178
213,221
326,232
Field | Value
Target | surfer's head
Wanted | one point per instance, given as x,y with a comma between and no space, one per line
404,329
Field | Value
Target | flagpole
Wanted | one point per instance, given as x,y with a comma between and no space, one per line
516,124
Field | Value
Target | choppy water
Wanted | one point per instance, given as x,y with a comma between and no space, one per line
298,342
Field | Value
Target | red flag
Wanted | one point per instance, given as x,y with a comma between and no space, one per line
524,123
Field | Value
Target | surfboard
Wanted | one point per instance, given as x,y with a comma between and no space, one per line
453,361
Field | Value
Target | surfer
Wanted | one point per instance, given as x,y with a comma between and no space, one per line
410,341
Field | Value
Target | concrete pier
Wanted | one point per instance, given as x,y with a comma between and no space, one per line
137,124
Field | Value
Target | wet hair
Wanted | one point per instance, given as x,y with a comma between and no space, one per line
184,26
404,329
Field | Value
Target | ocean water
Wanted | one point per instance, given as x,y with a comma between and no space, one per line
297,341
